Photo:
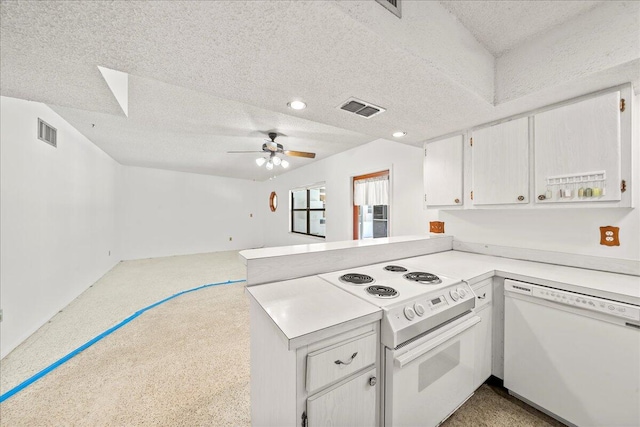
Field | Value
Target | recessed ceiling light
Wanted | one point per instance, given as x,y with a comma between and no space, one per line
399,134
297,105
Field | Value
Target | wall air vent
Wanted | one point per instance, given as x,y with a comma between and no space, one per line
361,108
47,133
392,6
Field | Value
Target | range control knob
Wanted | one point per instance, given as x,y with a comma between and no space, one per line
409,313
454,295
462,292
419,309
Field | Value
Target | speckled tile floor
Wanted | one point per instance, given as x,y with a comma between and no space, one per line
184,363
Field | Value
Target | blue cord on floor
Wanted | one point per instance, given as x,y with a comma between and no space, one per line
88,344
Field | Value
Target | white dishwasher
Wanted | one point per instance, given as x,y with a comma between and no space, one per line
576,357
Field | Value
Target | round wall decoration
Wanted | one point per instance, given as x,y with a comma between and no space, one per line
273,201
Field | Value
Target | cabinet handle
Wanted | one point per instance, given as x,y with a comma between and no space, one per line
373,381
541,197
521,198
457,200
340,362
483,296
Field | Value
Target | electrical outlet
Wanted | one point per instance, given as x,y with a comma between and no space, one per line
609,236
436,227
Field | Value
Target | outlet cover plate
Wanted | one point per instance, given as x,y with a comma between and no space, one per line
436,227
609,236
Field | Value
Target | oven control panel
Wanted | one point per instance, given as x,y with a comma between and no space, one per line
411,318
427,305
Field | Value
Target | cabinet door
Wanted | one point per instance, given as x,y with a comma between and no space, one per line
500,158
352,403
574,144
443,172
483,346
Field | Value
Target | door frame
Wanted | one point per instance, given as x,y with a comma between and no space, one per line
356,208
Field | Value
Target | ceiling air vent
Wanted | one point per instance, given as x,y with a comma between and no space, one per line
361,108
392,6
47,133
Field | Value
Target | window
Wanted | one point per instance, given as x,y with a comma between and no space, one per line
308,211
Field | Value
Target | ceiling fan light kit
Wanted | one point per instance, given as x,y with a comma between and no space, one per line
272,148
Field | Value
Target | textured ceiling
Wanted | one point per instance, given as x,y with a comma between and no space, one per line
193,131
208,77
503,25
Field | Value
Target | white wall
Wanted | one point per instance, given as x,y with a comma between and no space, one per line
406,216
571,230
56,218
163,213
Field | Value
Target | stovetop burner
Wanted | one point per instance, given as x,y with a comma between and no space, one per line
382,291
356,279
422,277
395,268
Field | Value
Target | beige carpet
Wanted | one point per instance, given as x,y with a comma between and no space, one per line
183,363
128,287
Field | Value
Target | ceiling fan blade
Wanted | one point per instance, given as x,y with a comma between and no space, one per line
236,152
300,154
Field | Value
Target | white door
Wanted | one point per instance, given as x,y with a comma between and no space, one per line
500,159
443,172
350,404
574,143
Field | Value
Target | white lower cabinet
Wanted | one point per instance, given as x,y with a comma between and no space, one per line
483,347
332,381
350,403
483,331
341,381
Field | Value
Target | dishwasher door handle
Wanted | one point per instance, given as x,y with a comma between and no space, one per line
413,354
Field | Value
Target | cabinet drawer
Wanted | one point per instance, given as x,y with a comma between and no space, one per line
334,363
484,293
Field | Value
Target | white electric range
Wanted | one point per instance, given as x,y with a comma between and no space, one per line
427,333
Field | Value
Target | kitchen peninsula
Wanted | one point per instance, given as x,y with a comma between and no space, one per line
317,351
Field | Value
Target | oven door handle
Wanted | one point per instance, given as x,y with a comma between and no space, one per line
414,353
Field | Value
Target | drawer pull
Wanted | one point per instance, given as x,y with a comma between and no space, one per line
483,296
340,362
373,381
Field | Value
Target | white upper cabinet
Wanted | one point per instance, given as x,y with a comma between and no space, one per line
443,172
500,163
578,152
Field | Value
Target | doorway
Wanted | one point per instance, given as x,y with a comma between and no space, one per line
371,205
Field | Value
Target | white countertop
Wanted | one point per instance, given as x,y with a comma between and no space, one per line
277,251
474,267
309,309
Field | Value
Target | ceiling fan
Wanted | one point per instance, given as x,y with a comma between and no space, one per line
272,148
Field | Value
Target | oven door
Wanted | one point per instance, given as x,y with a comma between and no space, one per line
426,380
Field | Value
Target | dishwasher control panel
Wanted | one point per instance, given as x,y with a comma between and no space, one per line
612,308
